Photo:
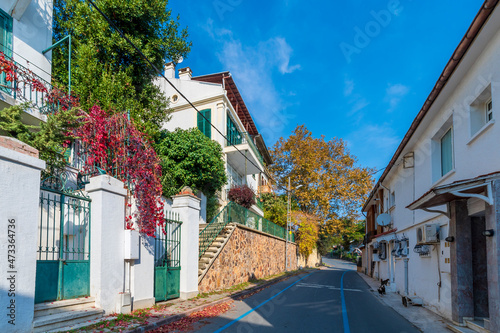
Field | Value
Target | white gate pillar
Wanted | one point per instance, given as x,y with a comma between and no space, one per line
107,233
187,205
19,203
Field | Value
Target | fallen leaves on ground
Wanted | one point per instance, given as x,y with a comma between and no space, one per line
186,323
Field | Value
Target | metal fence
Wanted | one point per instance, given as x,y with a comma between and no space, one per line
234,213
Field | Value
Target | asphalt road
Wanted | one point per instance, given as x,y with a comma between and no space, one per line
331,300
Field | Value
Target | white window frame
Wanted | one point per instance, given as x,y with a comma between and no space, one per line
441,152
488,108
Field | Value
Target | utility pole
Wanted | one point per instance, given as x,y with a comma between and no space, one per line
288,218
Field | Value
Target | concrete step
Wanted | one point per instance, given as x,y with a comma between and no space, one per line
49,308
204,260
63,319
486,323
208,255
212,249
459,329
202,265
75,327
476,325
200,271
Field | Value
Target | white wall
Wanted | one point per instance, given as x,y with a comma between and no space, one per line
472,158
32,34
19,200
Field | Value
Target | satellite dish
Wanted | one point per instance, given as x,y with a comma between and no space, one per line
181,59
383,219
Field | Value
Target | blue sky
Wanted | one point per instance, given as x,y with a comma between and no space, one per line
348,69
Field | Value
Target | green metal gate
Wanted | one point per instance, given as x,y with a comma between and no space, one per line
63,256
168,259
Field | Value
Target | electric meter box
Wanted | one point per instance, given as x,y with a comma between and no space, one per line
132,242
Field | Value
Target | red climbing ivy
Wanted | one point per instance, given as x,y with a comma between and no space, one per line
110,142
113,144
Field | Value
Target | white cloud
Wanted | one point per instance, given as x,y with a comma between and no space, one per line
252,68
348,87
394,94
357,105
376,143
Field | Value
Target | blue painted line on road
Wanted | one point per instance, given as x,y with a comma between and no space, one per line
344,308
258,306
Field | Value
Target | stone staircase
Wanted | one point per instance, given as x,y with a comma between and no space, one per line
207,259
479,325
54,316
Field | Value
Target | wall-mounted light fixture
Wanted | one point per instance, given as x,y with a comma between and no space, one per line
450,239
488,233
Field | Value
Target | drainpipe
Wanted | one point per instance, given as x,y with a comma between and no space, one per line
406,275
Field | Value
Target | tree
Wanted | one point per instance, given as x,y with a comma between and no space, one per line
275,207
49,138
189,158
307,233
347,232
106,70
334,187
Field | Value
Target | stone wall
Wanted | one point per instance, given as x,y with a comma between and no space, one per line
313,260
248,254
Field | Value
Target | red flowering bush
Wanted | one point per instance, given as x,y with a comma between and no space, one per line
242,195
113,144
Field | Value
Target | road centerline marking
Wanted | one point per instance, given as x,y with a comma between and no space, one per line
345,320
258,306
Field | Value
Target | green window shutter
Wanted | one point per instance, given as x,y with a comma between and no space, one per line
5,33
446,153
204,124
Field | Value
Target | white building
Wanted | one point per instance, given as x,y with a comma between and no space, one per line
25,31
439,238
218,99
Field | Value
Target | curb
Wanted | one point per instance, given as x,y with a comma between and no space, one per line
186,313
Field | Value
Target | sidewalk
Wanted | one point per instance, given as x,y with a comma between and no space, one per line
422,318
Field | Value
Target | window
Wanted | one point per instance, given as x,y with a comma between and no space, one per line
442,150
5,47
446,153
204,122
5,33
392,199
489,110
481,111
233,135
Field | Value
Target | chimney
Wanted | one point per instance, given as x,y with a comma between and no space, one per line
185,73
170,70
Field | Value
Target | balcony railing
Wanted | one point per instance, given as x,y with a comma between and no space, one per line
23,85
237,138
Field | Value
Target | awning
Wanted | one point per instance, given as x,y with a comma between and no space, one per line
468,188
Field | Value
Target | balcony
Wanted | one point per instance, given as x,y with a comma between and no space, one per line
22,85
242,142
265,189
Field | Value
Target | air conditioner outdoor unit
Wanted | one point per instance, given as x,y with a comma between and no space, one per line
432,233
420,235
428,234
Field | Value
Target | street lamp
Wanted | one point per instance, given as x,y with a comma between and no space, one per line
288,220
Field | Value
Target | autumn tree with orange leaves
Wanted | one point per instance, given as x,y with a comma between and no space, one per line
333,186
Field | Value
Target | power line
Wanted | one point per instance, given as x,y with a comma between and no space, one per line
111,23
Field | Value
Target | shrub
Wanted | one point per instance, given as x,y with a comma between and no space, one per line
242,195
